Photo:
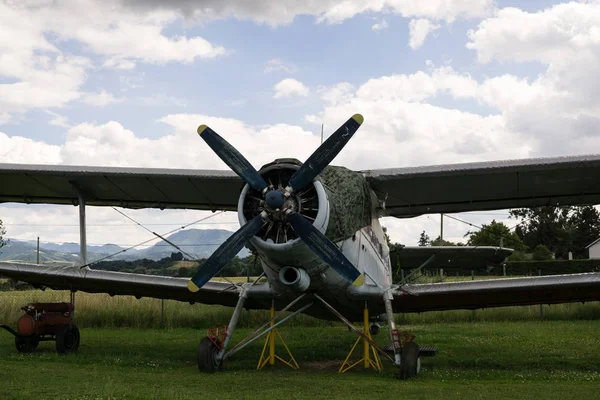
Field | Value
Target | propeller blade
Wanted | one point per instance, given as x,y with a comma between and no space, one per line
325,153
225,253
232,158
325,249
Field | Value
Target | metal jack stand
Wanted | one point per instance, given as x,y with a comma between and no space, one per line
270,341
367,361
268,327
361,334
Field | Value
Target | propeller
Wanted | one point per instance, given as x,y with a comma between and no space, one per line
232,158
275,202
226,252
325,248
324,154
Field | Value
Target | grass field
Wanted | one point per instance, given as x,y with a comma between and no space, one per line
550,360
506,353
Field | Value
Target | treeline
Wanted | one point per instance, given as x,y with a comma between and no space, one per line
539,234
168,266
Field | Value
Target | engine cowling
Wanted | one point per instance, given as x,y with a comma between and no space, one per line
277,238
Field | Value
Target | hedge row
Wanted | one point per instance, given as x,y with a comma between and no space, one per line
549,267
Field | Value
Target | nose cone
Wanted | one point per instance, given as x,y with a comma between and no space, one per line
274,199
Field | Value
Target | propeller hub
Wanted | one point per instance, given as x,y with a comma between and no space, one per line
274,199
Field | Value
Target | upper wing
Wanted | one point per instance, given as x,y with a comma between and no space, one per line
119,283
472,257
488,185
123,187
497,293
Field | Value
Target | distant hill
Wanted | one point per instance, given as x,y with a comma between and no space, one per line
198,243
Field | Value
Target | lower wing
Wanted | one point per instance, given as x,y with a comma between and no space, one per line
471,295
120,283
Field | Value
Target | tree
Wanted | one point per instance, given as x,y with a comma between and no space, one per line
441,242
424,239
489,235
560,229
585,228
541,253
544,225
387,238
2,233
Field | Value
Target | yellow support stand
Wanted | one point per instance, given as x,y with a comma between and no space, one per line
370,356
271,357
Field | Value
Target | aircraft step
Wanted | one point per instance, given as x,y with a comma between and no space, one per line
424,351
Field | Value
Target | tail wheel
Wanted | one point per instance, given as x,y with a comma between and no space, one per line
67,339
206,356
26,344
410,362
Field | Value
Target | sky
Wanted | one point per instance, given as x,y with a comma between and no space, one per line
127,82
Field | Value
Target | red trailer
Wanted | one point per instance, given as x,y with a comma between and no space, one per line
45,322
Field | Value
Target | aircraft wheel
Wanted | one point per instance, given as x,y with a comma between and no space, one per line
206,355
67,339
26,344
411,363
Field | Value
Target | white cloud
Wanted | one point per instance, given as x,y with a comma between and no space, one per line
20,150
290,87
337,93
379,26
276,64
42,74
330,11
58,120
100,99
119,63
418,30
559,108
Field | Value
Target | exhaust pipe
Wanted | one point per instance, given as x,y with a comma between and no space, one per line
295,278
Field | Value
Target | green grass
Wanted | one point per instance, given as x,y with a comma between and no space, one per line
101,310
550,360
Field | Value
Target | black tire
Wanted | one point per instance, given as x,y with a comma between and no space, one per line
25,344
67,339
206,356
410,364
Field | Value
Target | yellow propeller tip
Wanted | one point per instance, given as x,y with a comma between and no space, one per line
201,129
192,287
358,118
359,281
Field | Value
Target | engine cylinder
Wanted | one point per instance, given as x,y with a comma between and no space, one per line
295,278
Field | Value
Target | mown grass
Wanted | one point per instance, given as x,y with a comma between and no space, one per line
534,359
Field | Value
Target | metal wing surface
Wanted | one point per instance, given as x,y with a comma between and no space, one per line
487,185
470,257
551,289
119,283
122,187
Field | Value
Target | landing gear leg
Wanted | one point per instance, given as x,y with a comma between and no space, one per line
210,351
406,357
387,300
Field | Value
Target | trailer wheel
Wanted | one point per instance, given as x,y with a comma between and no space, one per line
26,344
67,339
206,356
